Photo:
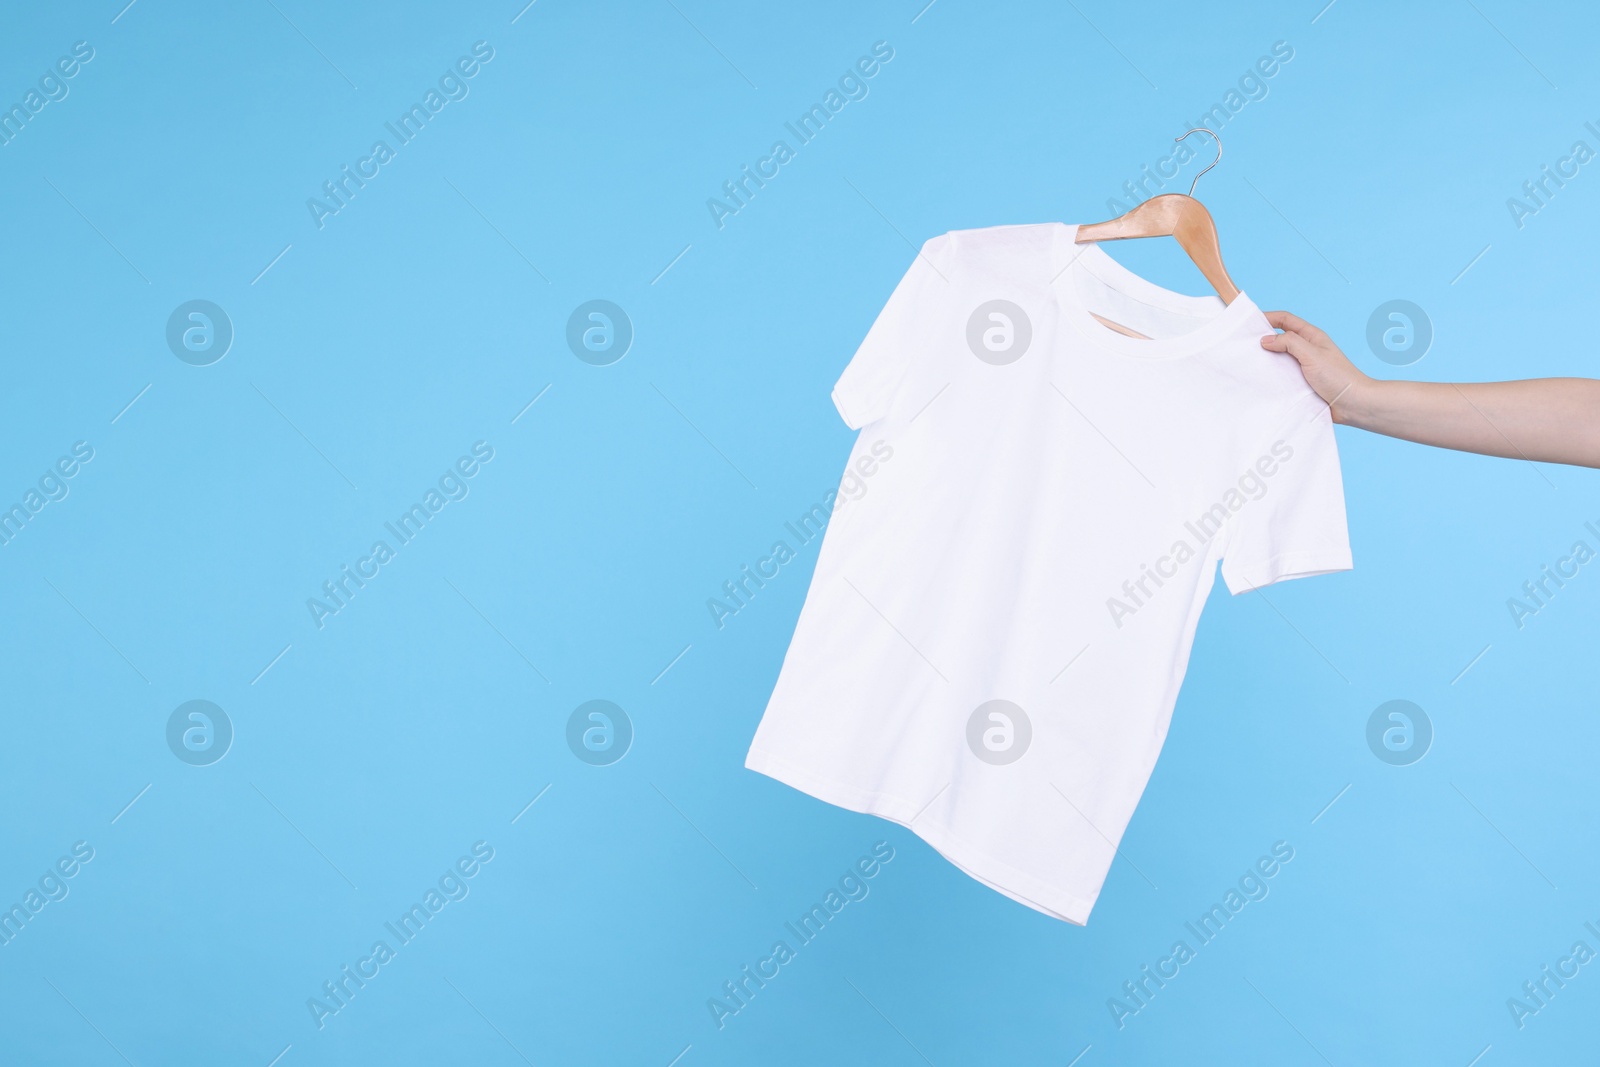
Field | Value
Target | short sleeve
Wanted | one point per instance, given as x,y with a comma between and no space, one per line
868,385
1292,522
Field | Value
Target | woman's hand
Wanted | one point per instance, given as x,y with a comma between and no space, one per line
1327,370
1552,420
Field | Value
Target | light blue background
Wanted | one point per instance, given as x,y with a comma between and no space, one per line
429,312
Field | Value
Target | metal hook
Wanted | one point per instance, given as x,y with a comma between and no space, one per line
1214,162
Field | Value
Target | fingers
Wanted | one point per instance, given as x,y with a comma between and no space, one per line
1285,320
1290,342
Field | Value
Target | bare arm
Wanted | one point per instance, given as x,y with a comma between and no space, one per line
1555,420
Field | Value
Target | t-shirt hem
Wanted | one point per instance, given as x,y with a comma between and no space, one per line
995,873
1283,567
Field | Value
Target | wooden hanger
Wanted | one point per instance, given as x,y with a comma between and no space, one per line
1172,215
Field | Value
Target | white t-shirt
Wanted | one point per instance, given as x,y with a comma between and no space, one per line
1001,617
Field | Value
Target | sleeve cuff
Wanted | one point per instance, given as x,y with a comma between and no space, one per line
846,411
1254,575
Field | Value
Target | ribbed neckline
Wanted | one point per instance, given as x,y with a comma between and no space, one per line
1220,319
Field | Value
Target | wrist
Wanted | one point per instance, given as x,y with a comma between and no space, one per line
1357,402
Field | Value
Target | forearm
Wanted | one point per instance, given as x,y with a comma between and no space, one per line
1553,420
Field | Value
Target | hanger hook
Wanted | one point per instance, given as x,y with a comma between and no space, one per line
1214,162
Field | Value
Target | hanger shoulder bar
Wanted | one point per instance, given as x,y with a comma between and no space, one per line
1178,216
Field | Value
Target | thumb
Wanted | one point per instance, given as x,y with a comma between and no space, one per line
1289,342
